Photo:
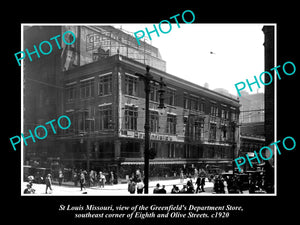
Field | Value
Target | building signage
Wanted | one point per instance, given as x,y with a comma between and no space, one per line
153,136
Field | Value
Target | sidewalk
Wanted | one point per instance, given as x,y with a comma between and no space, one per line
123,186
68,188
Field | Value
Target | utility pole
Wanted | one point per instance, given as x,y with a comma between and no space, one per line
148,79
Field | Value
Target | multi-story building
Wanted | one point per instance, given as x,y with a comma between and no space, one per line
252,121
105,101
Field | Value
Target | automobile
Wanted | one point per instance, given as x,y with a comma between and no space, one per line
38,173
233,186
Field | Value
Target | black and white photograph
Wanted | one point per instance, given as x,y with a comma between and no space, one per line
104,113
169,115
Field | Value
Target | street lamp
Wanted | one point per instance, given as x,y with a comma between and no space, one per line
148,78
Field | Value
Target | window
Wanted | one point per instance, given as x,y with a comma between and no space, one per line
106,149
224,134
214,110
198,126
85,120
187,153
233,116
131,114
87,88
154,96
105,117
171,150
195,127
185,101
70,93
89,124
154,124
194,103
81,121
171,124
105,85
170,99
212,132
130,149
130,85
201,106
224,114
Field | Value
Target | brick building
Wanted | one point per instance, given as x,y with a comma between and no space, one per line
252,121
105,102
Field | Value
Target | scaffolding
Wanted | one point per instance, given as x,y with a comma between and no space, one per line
107,41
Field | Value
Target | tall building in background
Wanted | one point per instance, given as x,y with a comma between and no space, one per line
97,42
252,125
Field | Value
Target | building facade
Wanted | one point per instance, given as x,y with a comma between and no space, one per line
252,130
105,101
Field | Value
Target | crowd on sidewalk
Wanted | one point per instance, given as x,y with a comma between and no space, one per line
189,184
136,185
93,178
82,177
221,184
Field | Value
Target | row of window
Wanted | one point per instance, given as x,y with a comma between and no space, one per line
86,89
84,121
104,87
175,150
133,149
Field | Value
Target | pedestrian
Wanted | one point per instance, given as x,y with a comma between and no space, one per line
29,189
221,187
183,190
111,178
202,184
262,183
30,180
181,176
162,190
140,186
138,175
217,184
60,177
225,186
190,186
131,186
82,181
175,190
240,185
196,173
91,180
101,179
48,182
198,183
156,190
252,185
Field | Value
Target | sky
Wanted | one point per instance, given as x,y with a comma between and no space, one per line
218,54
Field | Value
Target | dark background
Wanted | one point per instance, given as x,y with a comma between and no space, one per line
257,209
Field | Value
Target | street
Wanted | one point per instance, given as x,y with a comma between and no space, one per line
116,189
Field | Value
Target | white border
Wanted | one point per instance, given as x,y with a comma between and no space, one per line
150,195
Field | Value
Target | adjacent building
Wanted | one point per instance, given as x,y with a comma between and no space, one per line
252,122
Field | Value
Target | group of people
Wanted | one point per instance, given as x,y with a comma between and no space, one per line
189,187
93,178
136,185
82,177
236,184
221,185
29,187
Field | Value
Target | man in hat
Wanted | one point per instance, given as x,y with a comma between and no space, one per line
48,182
